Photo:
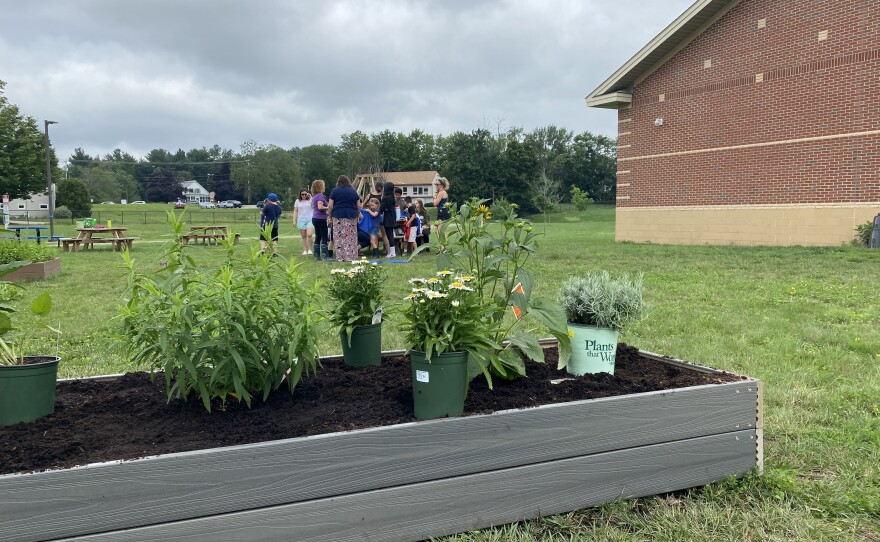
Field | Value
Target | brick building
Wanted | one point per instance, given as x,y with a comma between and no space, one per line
750,122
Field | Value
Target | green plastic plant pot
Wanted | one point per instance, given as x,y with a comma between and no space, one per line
592,350
439,387
365,348
27,392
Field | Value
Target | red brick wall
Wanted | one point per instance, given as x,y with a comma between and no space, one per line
811,89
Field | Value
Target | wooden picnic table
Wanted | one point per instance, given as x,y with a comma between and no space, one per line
86,237
208,235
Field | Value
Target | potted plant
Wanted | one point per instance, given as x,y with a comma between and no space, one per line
357,312
495,246
27,382
447,327
597,306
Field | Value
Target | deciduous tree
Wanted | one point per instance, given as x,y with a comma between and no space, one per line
22,152
74,195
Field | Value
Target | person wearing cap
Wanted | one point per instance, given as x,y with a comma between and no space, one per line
269,217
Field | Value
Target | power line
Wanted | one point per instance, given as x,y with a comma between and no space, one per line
215,162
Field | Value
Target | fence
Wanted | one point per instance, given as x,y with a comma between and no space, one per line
128,217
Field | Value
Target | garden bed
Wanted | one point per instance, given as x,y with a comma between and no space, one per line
344,459
35,271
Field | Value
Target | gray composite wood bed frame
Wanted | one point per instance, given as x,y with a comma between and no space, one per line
404,482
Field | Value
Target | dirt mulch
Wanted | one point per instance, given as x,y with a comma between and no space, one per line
128,417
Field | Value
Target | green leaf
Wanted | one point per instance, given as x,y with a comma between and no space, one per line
528,344
42,305
549,314
564,349
5,324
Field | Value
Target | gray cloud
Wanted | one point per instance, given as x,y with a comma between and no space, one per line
171,74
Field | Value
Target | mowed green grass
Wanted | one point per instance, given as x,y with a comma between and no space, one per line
806,321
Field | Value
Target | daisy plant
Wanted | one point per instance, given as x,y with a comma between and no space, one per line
444,313
357,293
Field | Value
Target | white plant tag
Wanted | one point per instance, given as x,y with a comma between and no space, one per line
377,316
422,376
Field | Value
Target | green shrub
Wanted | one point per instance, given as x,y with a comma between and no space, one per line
580,199
63,213
16,251
863,234
10,291
238,332
597,299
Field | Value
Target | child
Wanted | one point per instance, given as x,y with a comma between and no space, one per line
426,224
412,229
369,224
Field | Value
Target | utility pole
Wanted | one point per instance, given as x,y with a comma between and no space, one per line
49,191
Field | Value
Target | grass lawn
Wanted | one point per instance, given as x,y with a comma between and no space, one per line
804,320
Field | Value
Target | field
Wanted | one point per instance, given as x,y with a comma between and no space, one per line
804,320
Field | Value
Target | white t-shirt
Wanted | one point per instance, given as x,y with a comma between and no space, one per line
303,210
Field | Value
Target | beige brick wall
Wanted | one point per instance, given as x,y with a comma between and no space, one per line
828,224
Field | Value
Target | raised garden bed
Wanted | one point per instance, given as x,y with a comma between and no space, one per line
35,271
403,481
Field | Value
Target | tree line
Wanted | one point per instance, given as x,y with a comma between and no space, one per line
534,169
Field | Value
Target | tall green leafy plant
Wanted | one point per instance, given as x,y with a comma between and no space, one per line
239,332
14,346
496,253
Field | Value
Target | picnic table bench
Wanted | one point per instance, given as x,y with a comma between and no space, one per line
208,235
38,231
87,239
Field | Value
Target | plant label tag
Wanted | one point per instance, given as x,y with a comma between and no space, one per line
422,376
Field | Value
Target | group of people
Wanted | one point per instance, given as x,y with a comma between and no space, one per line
353,223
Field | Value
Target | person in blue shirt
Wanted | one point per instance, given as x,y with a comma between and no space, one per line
344,210
368,227
269,217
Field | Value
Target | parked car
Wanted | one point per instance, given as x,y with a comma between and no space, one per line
139,202
180,205
207,205
229,204
107,203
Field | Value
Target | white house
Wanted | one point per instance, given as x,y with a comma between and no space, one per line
36,206
193,192
417,184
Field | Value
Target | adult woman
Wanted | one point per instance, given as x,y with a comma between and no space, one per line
344,210
389,218
302,219
441,185
319,219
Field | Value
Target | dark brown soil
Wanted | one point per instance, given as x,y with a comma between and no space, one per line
128,417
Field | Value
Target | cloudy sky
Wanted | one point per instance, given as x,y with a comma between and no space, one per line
171,74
